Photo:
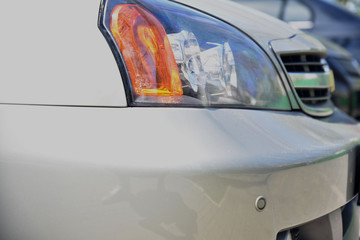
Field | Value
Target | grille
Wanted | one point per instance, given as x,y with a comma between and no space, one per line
298,64
313,95
304,63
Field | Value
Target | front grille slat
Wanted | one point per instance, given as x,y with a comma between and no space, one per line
315,99
308,64
314,95
304,68
302,63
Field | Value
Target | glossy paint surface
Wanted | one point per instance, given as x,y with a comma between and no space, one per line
90,173
55,54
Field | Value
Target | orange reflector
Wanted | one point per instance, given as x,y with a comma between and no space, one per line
146,50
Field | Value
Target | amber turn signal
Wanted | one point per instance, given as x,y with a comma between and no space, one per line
146,50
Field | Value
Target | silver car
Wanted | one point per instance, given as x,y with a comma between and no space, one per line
176,120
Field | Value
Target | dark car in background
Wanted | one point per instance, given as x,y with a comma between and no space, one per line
347,75
333,26
320,17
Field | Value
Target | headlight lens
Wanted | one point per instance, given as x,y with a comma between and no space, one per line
175,55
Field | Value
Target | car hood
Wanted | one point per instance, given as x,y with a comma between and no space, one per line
261,27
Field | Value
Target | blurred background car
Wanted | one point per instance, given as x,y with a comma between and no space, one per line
338,29
347,76
323,18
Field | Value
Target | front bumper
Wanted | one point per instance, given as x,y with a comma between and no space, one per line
111,173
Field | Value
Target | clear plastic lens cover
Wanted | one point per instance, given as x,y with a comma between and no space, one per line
175,55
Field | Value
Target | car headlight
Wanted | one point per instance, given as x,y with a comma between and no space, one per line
175,55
